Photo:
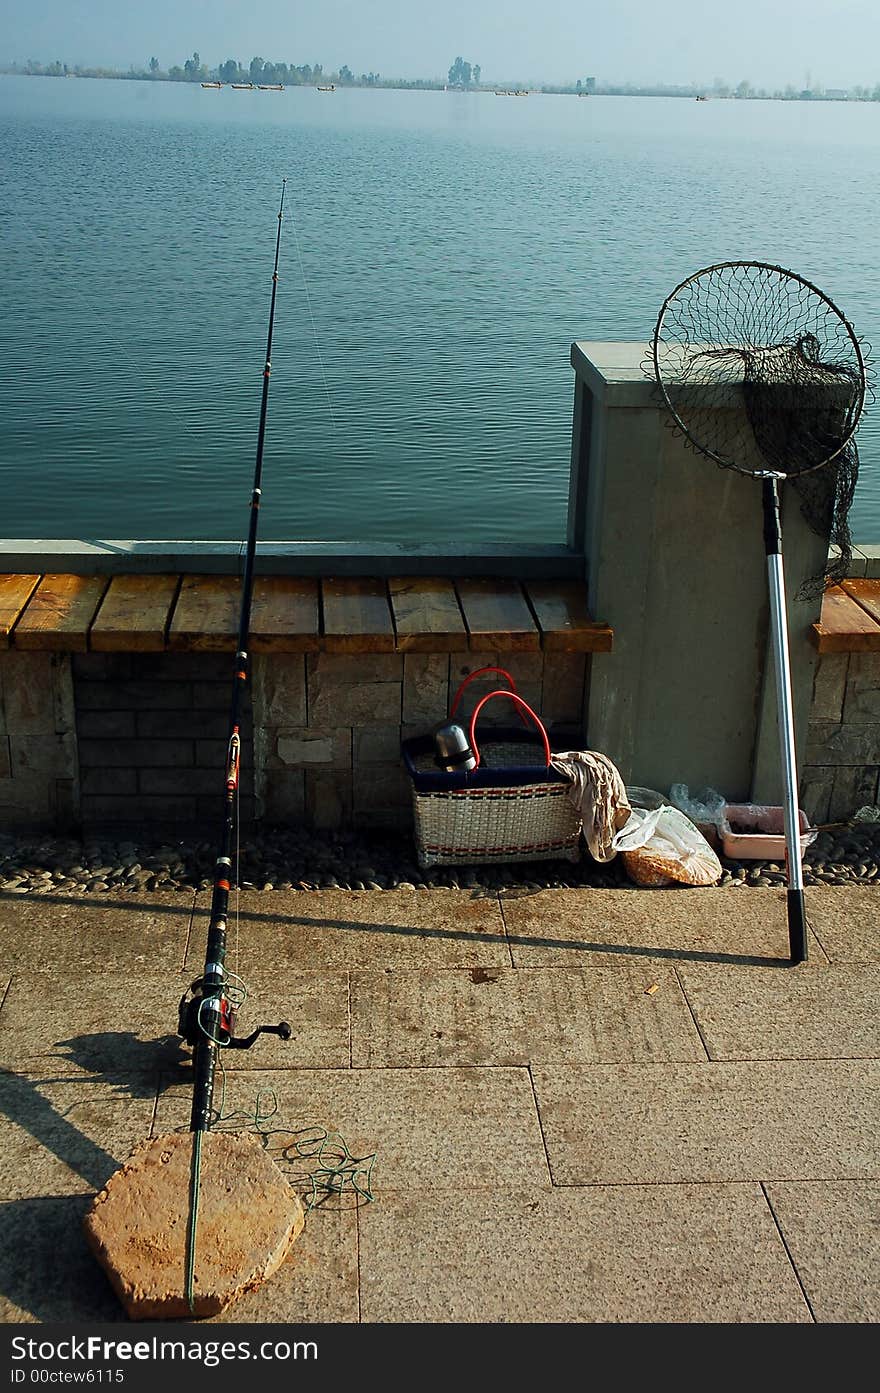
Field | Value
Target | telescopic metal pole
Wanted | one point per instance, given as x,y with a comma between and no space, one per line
214,976
797,923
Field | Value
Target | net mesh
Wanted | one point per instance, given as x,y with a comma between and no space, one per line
763,373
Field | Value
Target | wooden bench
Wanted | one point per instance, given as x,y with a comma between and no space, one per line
850,619
193,613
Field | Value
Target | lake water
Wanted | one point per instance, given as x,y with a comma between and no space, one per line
442,252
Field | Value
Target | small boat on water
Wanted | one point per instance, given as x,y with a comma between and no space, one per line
242,86
212,84
331,88
270,86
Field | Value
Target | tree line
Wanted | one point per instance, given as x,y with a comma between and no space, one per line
462,75
258,70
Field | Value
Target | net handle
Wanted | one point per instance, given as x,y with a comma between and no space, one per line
525,712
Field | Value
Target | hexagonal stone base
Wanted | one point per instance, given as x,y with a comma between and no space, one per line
137,1226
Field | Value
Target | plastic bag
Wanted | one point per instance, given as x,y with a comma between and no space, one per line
705,808
645,798
638,829
676,852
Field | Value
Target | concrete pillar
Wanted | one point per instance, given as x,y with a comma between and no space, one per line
675,563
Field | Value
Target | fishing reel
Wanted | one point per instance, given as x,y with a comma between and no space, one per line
213,1013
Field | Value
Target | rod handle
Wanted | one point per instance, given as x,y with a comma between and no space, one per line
797,926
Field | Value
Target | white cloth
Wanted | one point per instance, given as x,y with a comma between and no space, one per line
599,794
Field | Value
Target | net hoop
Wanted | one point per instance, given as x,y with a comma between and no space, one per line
780,271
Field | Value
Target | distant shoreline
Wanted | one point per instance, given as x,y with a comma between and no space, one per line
743,92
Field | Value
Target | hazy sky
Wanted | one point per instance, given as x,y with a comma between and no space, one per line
769,42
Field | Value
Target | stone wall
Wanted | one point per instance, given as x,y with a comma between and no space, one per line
39,785
841,767
151,732
328,727
842,763
112,739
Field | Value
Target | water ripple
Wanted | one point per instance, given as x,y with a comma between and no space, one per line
440,256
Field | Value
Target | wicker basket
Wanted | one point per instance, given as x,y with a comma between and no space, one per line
512,807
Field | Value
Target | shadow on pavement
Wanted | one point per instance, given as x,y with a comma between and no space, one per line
131,1065
47,1272
453,935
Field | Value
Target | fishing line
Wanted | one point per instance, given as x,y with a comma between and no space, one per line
338,1169
314,325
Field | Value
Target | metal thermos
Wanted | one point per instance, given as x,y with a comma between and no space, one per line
454,753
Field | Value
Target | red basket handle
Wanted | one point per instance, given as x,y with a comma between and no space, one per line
478,672
524,711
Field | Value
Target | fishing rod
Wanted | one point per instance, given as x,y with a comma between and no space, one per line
206,1017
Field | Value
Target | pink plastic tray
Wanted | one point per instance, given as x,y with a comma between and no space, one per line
750,833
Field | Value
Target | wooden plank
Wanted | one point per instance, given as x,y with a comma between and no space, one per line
566,625
205,617
497,615
134,614
427,616
357,616
865,593
285,615
15,591
59,613
844,626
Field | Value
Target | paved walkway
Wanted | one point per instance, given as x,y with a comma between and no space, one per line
587,1105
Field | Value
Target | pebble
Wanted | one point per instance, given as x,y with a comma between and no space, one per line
294,860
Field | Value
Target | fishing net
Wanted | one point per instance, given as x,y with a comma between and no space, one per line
761,372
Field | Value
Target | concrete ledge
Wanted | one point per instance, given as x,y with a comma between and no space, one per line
72,556
615,372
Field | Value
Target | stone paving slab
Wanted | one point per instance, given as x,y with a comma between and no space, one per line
608,1011
846,922
558,928
317,1282
146,932
809,1013
66,1136
807,1128
330,929
832,1231
430,1128
100,1025
666,1123
96,1024
627,1253
315,1006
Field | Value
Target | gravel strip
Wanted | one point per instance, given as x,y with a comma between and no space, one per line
294,859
